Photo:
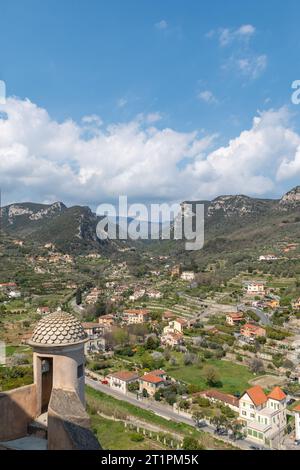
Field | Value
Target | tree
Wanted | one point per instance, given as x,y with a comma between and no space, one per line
151,343
212,376
256,365
190,443
78,297
184,405
198,416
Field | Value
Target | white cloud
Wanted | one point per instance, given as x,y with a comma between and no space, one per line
122,102
227,36
43,160
162,24
207,96
245,30
252,66
251,163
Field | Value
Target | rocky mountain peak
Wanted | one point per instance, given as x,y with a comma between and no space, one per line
291,199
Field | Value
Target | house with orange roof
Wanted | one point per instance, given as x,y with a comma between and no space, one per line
171,339
234,318
176,326
263,416
297,422
135,316
121,379
252,331
152,381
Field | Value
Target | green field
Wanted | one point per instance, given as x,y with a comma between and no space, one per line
113,436
235,378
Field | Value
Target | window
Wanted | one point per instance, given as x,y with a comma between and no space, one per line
80,371
260,435
250,432
244,413
254,433
252,415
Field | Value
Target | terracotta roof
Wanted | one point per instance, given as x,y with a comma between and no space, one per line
235,315
181,321
168,314
297,408
136,312
125,375
158,372
277,394
152,378
224,397
257,395
88,325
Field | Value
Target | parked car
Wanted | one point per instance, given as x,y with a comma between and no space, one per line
104,382
290,401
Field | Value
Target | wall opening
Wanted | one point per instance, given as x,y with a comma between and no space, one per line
47,382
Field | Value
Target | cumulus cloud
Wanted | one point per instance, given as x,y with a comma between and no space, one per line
44,160
255,161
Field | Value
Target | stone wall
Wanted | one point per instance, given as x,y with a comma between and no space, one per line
18,408
68,423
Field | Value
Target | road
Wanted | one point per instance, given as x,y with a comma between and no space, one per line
263,317
76,308
163,411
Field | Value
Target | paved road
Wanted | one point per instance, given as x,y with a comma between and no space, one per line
263,317
162,411
76,308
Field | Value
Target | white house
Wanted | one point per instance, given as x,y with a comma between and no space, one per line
255,288
120,380
268,257
263,416
176,326
171,339
297,422
187,276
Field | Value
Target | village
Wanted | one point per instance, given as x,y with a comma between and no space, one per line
224,360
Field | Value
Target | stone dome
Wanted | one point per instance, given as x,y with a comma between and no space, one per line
58,329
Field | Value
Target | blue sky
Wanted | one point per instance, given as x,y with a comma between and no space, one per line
189,66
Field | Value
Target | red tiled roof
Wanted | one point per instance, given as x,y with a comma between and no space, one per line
125,375
158,372
136,312
257,395
152,378
224,397
277,394
234,315
87,325
297,408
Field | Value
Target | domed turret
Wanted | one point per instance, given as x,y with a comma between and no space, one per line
58,329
